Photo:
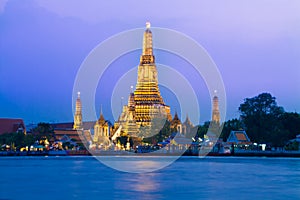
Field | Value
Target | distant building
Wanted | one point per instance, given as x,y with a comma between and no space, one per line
238,138
78,114
102,131
215,111
70,133
176,123
214,130
97,132
66,129
187,126
183,128
69,125
87,133
77,130
9,125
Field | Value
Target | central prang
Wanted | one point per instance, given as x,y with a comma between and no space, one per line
146,111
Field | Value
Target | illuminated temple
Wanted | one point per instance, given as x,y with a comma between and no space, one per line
144,115
145,104
147,99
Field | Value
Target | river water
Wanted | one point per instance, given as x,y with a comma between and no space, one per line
187,178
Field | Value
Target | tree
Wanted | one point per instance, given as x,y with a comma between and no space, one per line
29,140
44,131
17,139
263,104
261,116
291,122
123,140
162,134
202,129
290,127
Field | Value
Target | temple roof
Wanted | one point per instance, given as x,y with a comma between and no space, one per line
101,118
238,137
69,125
176,119
9,125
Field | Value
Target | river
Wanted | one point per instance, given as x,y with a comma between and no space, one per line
187,178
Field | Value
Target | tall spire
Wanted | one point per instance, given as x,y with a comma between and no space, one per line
131,103
147,98
145,103
101,119
187,120
78,113
147,82
147,55
176,116
131,89
216,112
148,25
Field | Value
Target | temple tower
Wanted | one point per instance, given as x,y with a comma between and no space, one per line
148,102
78,114
216,112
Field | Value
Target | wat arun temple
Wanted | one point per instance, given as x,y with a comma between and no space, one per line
145,114
145,104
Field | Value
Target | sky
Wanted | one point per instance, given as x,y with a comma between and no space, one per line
255,45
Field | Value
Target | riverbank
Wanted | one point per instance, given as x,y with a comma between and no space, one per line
243,153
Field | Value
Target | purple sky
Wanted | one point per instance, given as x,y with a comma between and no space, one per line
255,44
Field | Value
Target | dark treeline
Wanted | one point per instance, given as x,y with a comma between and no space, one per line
18,139
263,120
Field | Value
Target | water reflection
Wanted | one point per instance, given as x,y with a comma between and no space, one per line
140,186
137,164
145,183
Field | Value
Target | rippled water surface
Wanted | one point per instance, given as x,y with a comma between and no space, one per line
187,178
